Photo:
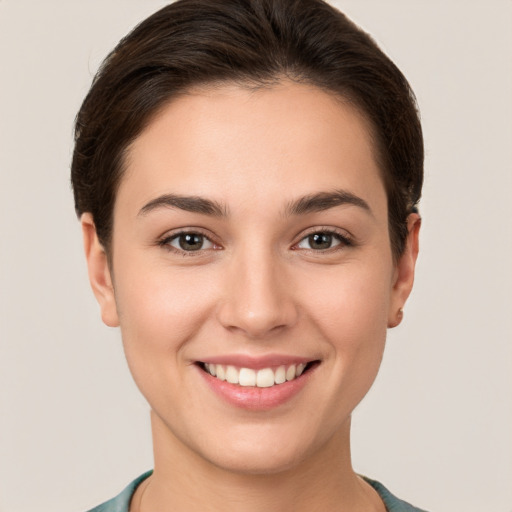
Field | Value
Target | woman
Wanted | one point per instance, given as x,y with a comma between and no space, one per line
247,175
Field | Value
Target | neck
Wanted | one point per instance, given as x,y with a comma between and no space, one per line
184,481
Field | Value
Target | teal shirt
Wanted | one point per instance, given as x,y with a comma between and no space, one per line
121,503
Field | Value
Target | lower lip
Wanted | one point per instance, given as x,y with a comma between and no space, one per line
254,398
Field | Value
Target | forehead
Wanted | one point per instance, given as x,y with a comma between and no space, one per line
233,143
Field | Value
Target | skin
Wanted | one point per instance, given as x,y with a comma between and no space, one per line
259,287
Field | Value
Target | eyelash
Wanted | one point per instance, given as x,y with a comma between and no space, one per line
343,238
165,242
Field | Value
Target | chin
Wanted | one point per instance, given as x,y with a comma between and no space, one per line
261,449
258,461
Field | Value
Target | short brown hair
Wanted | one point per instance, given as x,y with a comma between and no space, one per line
256,42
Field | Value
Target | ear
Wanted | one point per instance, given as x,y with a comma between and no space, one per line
403,277
99,271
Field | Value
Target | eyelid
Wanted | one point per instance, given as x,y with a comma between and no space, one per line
345,238
165,239
204,239
335,238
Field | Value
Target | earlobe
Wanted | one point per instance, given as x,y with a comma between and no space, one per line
99,271
403,278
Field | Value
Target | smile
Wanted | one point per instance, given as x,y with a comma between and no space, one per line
257,384
261,378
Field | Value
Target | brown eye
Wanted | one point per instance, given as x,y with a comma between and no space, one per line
190,242
320,241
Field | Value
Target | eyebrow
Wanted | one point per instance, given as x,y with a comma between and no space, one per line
324,201
192,204
317,202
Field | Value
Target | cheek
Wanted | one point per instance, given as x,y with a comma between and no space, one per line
159,309
350,303
351,315
160,312
347,306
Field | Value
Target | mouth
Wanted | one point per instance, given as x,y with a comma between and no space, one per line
268,377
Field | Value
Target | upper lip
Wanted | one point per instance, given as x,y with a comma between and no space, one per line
257,362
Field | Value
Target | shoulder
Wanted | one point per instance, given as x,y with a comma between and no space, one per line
393,504
121,503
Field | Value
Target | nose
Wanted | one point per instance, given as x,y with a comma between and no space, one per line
258,296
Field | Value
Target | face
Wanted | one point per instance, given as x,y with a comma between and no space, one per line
251,244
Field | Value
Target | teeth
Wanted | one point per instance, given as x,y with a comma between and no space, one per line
265,378
247,377
290,373
280,375
219,370
232,375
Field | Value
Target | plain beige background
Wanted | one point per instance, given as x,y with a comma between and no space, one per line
437,426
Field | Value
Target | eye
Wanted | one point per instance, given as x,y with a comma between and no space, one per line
322,241
189,242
